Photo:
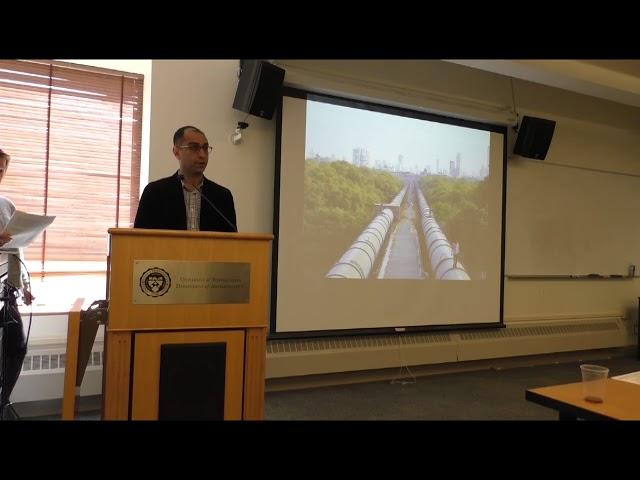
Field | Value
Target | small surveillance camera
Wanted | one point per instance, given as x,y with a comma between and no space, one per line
236,137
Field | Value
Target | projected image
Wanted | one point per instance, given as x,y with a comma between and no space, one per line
380,209
393,197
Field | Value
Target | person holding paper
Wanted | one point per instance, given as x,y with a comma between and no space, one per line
11,260
14,342
187,200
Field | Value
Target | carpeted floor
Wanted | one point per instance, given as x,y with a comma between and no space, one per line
479,395
494,394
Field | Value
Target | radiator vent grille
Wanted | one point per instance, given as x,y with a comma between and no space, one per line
539,331
375,341
381,341
45,362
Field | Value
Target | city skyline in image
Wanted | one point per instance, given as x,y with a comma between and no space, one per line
391,142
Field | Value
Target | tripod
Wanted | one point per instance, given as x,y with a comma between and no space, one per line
13,350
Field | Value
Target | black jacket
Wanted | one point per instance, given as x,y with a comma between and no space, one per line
162,206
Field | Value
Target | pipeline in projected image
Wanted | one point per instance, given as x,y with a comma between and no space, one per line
394,197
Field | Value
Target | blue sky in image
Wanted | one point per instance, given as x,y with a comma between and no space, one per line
333,131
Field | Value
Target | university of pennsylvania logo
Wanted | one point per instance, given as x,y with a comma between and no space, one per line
155,282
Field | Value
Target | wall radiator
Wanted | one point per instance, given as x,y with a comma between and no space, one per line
42,376
521,337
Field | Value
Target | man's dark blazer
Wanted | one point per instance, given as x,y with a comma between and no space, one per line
162,206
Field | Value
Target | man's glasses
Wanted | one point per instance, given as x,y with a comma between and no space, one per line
194,147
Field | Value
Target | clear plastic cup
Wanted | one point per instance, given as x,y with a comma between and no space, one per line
594,382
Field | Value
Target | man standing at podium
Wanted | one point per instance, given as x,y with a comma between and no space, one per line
187,200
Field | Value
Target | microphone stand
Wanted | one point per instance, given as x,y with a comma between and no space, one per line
202,195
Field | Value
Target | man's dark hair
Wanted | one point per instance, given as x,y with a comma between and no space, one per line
179,135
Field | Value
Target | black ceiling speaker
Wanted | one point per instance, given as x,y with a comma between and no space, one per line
534,137
259,88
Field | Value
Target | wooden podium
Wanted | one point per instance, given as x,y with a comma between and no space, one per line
187,325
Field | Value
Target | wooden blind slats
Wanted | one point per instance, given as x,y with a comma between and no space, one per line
93,154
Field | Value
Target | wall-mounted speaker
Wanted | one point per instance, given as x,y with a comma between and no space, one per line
534,137
259,88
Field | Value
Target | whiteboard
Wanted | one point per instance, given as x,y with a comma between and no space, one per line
563,220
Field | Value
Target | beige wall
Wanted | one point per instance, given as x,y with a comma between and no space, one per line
590,132
201,93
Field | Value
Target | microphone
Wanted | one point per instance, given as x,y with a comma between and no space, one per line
202,195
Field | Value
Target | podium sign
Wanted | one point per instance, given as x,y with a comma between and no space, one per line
190,282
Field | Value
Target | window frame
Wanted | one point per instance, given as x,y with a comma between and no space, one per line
40,264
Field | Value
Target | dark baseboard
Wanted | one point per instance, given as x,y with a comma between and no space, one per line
45,408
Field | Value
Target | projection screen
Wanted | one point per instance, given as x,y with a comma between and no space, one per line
385,218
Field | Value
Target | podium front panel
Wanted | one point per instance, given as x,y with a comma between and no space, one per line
199,364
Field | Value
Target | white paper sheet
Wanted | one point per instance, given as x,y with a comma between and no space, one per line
633,377
24,228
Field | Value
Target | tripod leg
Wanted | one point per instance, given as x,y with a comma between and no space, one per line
7,412
12,373
14,349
